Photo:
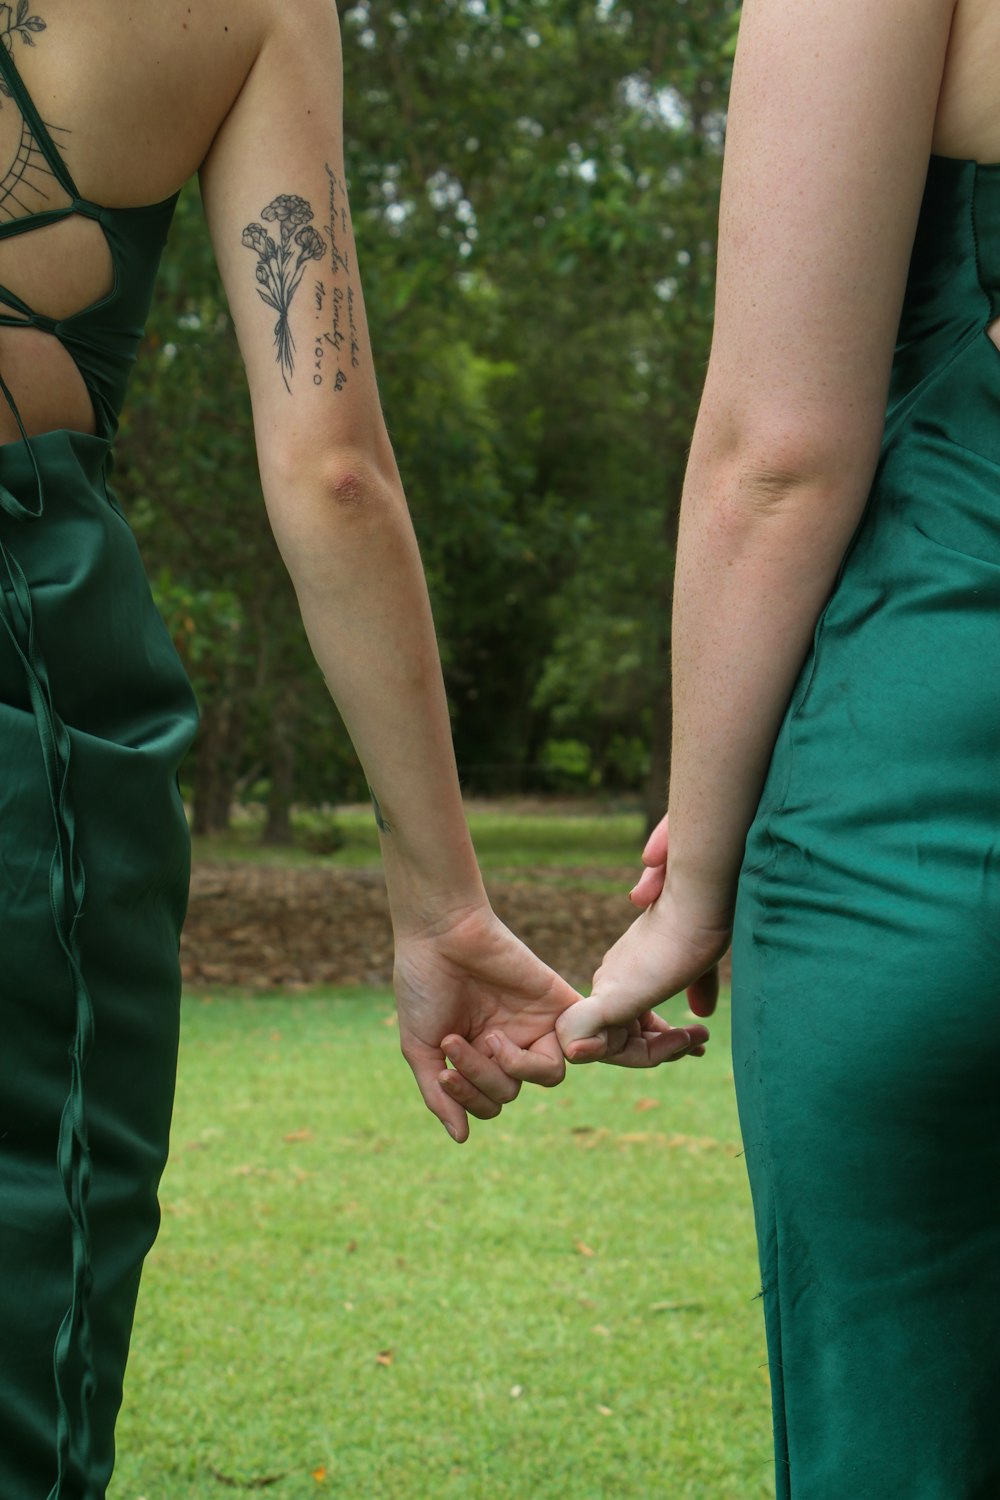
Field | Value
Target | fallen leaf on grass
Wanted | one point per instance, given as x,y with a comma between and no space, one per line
516,1390
592,1137
319,1474
584,1249
600,1328
385,1357
391,1019
351,1246
605,1411
299,1135
643,1104
247,1484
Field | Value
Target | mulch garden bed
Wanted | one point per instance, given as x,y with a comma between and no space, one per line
268,927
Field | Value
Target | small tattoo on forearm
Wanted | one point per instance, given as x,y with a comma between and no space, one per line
383,826
281,265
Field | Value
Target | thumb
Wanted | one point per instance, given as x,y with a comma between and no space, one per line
584,1033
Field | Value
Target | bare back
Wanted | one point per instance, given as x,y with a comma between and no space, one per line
133,100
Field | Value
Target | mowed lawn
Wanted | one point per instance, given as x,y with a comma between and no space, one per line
344,1303
514,839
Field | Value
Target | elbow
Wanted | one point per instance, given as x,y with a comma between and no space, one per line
778,468
354,485
348,484
760,463
331,515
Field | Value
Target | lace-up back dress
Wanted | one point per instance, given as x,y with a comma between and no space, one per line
96,714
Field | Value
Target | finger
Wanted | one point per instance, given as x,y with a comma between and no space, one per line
652,1021
703,995
583,1032
542,1063
608,1042
468,1096
651,1049
649,886
482,1072
426,1064
655,852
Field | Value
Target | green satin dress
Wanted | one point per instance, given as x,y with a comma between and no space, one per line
866,958
96,714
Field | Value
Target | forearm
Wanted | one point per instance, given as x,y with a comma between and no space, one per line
350,549
758,552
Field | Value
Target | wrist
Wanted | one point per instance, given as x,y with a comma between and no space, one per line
439,915
427,902
704,896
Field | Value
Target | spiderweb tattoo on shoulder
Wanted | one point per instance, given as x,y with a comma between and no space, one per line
27,185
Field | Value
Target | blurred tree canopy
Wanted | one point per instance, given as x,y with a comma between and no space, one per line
535,189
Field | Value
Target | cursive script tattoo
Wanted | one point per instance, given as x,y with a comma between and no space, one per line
281,265
336,347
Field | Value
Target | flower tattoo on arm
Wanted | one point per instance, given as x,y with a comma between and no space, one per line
281,264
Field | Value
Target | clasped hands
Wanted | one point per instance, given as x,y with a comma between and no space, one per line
473,995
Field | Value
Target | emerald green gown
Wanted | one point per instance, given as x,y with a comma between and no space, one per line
96,714
866,956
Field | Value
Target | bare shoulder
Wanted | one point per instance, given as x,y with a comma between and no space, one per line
968,116
137,92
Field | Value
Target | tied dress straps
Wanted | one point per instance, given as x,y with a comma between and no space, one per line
41,478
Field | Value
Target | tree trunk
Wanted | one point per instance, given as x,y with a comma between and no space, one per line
216,761
281,792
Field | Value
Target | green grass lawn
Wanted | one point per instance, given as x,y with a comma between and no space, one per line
343,1302
506,840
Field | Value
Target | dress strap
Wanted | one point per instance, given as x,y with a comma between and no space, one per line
67,884
39,129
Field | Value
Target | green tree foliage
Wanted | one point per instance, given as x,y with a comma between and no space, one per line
535,187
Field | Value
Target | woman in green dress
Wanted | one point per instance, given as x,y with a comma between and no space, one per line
105,112
835,786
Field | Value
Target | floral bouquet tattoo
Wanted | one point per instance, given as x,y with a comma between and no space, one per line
281,265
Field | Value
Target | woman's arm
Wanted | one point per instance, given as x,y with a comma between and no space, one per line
831,116
277,207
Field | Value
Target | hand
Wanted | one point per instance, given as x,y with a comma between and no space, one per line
654,857
636,973
457,984
674,945
703,993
